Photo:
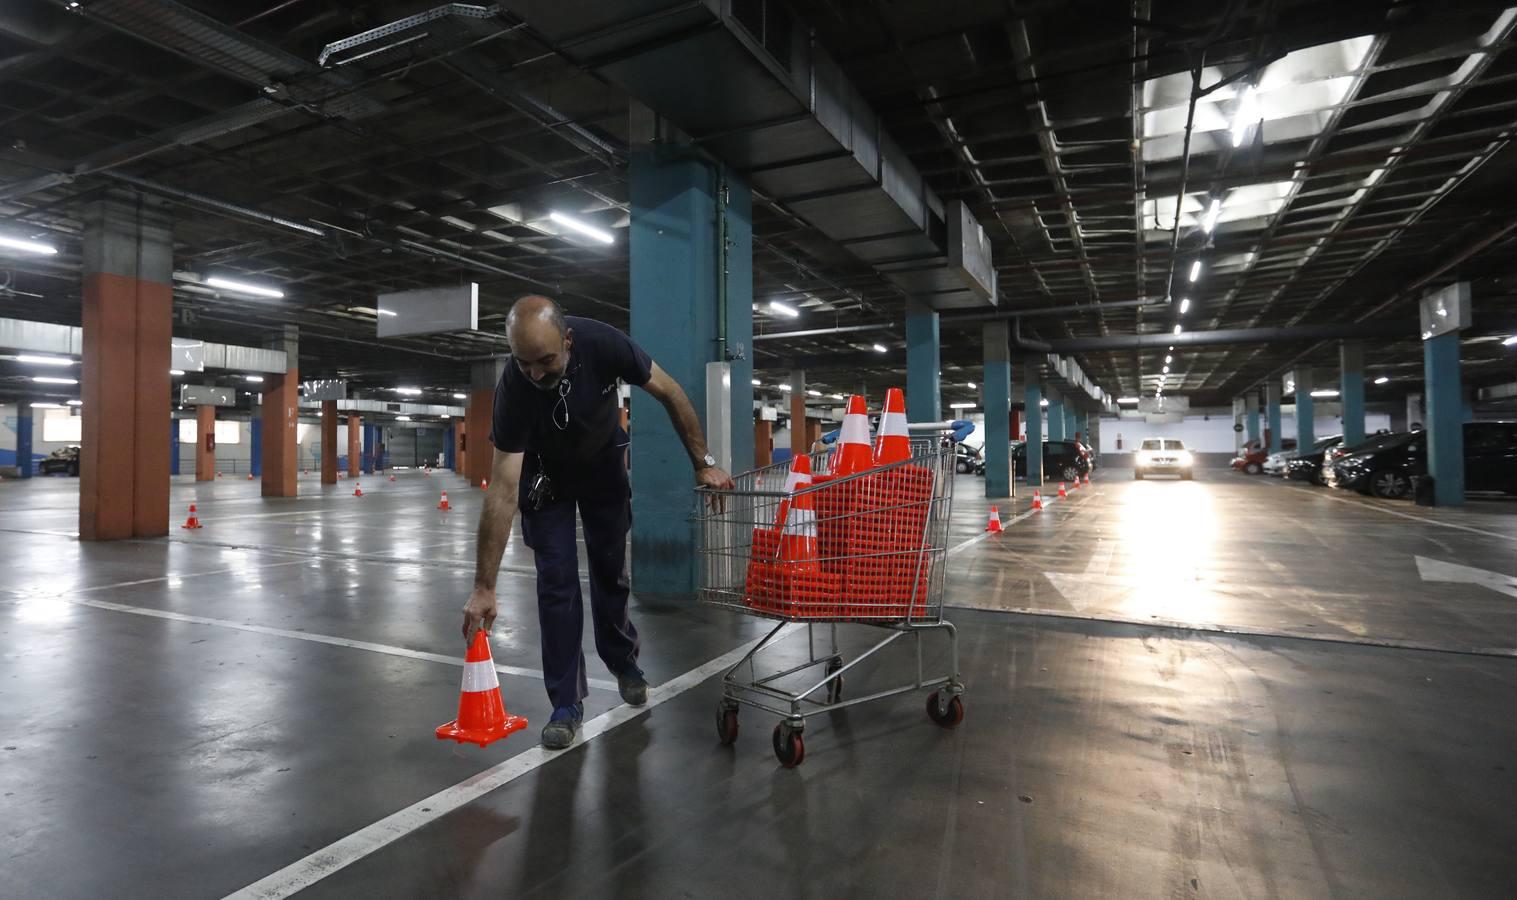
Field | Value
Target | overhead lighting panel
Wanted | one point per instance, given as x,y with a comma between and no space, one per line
44,360
880,348
1195,271
783,309
584,228
48,379
242,287
26,246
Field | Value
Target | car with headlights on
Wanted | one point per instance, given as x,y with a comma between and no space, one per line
1164,456
1307,465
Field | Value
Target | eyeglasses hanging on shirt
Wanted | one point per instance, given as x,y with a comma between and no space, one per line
560,414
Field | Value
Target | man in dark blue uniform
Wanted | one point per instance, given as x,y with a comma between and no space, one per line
559,445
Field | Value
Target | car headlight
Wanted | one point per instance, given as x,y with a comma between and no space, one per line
1185,458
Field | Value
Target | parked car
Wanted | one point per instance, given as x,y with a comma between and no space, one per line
1276,463
1388,469
1062,460
1373,442
1252,460
1164,456
64,460
1307,466
967,459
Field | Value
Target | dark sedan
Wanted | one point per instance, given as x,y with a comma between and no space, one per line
1307,466
1062,460
1388,470
63,461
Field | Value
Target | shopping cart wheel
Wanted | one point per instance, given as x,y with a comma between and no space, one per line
726,724
835,686
947,713
788,746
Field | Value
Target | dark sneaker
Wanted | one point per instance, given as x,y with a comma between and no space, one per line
633,687
561,729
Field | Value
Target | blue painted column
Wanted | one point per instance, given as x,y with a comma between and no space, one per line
1032,404
1351,391
24,464
1251,416
255,445
173,446
997,396
923,368
449,446
1071,421
691,246
1055,416
1445,418
370,448
1306,432
1272,415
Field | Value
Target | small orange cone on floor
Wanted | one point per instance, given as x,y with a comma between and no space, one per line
250,476
392,477
482,717
218,474
193,521
357,489
484,484
994,525
1075,485
1061,490
443,503
1037,499
1087,479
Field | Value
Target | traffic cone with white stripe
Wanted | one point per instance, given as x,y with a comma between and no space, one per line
392,477
484,484
892,443
357,489
1087,479
482,717
1062,493
994,525
193,521
1037,499
443,503
854,454
798,517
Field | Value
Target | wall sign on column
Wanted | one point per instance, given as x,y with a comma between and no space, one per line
1445,311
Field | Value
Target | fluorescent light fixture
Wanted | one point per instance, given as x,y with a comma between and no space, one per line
1246,114
1168,360
27,246
255,379
1166,370
756,383
784,387
243,287
971,386
783,309
41,405
1213,212
1127,400
1043,402
1184,305
839,397
1171,348
962,405
1325,392
76,403
409,392
176,372
1195,270
1177,329
402,418
880,348
1509,341
386,312
813,393
584,228
1382,379
48,379
460,396
44,360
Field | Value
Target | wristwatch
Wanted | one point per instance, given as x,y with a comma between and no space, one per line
707,462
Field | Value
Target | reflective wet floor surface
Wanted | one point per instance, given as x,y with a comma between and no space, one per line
1231,687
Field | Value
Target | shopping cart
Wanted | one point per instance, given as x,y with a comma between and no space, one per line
874,556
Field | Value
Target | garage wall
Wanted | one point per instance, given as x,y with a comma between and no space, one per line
40,448
1213,435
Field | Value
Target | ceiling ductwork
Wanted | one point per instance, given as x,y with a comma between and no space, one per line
747,82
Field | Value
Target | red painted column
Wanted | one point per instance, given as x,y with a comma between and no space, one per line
477,425
355,444
460,444
205,442
281,400
329,442
763,443
127,312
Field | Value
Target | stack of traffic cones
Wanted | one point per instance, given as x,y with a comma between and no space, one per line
1037,499
994,525
482,717
357,489
443,503
193,521
784,574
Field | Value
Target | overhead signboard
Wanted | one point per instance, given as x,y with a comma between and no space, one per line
1159,405
429,310
207,395
324,389
1445,311
186,355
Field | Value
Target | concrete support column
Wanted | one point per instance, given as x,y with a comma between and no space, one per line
691,243
1351,391
355,444
996,390
800,445
1415,419
813,432
329,442
126,310
460,446
1055,416
1272,393
483,377
1032,401
1306,433
281,412
24,462
205,443
1251,417
255,446
763,443
1016,425
173,446
1238,413
1071,422
450,446
1445,418
923,367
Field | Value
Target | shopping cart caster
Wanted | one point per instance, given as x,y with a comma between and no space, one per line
946,709
835,686
788,746
726,722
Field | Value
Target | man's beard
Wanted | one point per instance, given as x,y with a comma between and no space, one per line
548,382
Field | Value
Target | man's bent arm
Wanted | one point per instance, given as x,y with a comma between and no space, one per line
496,518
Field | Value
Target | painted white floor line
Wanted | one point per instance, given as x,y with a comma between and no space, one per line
327,639
339,855
1392,512
1025,514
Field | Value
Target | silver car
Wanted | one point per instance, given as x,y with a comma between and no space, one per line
1164,456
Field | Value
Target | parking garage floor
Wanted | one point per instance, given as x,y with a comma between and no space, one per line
1231,687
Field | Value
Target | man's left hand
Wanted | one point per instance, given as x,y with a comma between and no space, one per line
714,477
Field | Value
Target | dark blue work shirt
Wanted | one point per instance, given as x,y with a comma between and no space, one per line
573,432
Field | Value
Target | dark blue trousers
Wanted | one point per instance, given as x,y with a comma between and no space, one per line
560,604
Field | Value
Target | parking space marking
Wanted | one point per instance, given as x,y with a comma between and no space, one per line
1423,519
376,836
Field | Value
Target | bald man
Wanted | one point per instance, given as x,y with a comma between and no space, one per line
559,446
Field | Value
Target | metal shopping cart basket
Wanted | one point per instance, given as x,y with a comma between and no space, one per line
865,550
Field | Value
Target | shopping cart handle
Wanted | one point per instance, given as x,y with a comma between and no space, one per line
831,436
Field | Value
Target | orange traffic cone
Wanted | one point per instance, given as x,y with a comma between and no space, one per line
797,518
193,521
250,476
443,503
357,489
484,484
892,443
1062,494
853,454
1037,499
218,474
994,525
392,477
482,716
1087,479
1075,485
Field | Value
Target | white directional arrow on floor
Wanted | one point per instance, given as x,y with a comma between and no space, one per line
1454,573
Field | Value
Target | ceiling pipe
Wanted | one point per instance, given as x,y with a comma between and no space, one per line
813,332
219,205
1000,315
1161,339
